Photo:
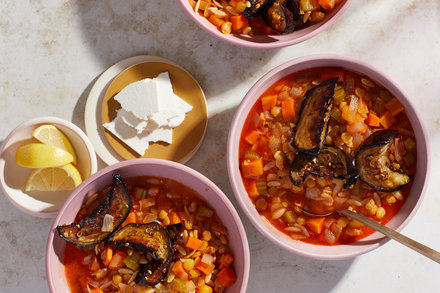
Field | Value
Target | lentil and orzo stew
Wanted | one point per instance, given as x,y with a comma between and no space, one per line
147,234
263,17
321,139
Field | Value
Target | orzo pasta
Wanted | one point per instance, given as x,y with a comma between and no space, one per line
306,141
201,259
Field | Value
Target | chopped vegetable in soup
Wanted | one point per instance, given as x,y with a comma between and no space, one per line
263,17
359,153
170,241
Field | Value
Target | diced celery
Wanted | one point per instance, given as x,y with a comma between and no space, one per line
409,144
140,193
250,155
262,186
289,217
339,95
336,114
385,95
132,261
204,212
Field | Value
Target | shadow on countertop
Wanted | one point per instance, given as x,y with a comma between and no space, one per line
115,30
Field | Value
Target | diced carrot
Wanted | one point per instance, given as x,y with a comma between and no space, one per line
252,168
193,243
372,120
179,270
96,290
117,261
131,218
327,4
387,119
268,102
226,277
238,21
288,109
225,260
219,228
252,188
205,268
394,106
315,224
331,73
174,218
252,136
216,20
106,255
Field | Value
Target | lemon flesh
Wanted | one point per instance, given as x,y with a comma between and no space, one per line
50,134
38,155
66,177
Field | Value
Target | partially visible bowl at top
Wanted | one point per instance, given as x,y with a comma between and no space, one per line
157,176
266,41
13,177
267,201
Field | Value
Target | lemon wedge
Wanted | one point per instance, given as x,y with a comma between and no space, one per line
50,134
66,177
38,155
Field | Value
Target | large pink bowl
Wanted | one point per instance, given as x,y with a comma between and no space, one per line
149,167
272,41
320,251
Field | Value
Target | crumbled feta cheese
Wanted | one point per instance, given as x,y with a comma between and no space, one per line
150,110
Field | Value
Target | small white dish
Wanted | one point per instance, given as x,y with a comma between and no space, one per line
13,177
97,112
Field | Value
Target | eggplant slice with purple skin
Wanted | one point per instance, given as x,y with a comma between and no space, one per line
374,165
283,16
257,6
91,230
312,127
151,238
155,271
331,161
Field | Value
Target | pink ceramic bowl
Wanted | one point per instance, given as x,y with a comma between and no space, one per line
319,251
272,41
149,167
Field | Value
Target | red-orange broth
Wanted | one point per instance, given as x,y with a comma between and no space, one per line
265,144
168,202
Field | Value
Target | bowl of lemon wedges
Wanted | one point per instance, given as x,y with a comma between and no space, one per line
42,161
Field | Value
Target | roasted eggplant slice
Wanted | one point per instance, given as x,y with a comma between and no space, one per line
331,161
105,219
257,6
283,16
154,271
151,237
374,165
312,127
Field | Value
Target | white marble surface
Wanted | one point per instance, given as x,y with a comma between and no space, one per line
51,51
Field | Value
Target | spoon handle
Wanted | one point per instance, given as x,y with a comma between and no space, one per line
417,246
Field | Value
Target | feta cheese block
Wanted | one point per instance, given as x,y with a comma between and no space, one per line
150,110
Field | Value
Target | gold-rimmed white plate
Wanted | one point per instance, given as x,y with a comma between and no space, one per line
101,108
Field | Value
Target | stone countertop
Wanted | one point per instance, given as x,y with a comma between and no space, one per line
52,51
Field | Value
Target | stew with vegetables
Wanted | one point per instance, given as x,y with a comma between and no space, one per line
170,241
359,153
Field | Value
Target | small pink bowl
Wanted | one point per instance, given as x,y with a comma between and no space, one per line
369,243
13,177
149,167
272,41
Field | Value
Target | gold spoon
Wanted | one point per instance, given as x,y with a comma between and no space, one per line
417,246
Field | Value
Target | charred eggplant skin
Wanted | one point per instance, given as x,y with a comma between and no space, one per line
256,8
331,161
155,271
374,165
88,232
311,130
283,16
150,237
